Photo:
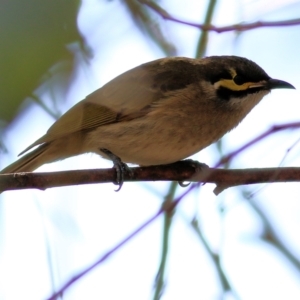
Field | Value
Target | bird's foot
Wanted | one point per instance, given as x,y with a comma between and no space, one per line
120,167
198,167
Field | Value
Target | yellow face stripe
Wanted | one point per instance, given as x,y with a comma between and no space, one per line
231,85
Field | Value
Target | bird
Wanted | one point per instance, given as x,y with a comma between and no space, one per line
157,113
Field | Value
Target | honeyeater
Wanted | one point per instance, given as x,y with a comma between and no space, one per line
157,113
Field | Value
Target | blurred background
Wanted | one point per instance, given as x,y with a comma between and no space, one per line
243,244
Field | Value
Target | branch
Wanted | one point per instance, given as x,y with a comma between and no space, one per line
215,258
236,27
160,280
186,170
105,256
270,236
272,130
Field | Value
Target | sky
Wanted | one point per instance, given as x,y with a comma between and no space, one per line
49,236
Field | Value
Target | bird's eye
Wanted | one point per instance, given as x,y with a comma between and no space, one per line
239,80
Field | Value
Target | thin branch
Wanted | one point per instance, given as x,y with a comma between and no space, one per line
203,41
105,256
146,24
181,171
236,27
215,258
160,281
168,217
167,207
272,130
270,235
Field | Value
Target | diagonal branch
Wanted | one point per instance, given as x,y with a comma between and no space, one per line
236,27
104,257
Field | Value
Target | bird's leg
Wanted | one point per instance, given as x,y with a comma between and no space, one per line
120,167
198,167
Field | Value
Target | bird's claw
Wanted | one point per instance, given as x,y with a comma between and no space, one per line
182,184
121,170
198,167
120,167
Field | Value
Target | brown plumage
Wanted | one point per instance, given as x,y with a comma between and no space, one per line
157,113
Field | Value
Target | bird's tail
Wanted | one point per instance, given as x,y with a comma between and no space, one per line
29,162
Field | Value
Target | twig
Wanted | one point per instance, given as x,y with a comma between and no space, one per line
236,27
268,132
225,284
269,234
168,216
104,257
203,40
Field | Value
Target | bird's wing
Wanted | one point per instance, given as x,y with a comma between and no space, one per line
130,95
149,83
82,116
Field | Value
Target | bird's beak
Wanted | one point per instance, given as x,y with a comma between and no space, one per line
278,84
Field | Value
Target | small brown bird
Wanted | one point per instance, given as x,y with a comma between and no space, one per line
157,113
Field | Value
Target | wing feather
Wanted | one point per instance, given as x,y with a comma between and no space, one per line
82,116
130,95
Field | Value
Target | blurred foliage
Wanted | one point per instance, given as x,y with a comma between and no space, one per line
34,36
203,40
144,20
34,41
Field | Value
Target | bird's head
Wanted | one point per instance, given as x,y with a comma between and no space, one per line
236,78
